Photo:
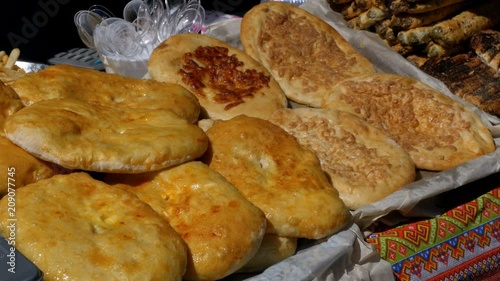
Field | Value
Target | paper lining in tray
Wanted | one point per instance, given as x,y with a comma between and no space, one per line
346,255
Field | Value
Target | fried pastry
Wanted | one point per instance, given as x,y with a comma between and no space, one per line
281,177
363,163
19,167
76,228
9,104
226,80
306,56
438,132
64,81
222,229
83,136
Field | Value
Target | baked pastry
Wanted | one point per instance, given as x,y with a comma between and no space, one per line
20,168
273,249
222,229
76,228
83,136
305,55
281,177
437,131
363,163
226,81
9,104
64,81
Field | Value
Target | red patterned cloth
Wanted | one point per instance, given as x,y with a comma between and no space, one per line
461,244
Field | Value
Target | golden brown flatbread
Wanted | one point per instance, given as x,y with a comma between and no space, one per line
9,104
437,131
273,249
222,229
76,228
273,171
79,135
363,163
306,56
64,81
226,80
19,167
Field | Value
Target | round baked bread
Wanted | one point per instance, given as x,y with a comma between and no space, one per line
19,167
226,80
363,164
76,228
222,229
281,177
273,249
9,104
306,56
82,136
64,81
437,131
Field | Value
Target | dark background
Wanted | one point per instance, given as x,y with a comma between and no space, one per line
43,28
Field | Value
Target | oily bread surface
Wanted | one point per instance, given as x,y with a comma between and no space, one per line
363,164
20,168
305,55
76,228
437,131
273,171
9,104
64,81
222,229
226,80
79,135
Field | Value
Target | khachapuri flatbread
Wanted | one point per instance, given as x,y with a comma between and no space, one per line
226,81
221,228
82,136
363,163
437,131
106,89
305,55
281,177
73,227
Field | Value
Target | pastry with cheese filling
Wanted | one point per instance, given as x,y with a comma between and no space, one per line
74,227
437,131
363,163
226,81
78,135
222,229
281,177
305,55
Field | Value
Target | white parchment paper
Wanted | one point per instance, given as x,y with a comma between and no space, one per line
346,255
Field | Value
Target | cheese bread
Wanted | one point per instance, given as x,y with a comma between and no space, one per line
222,229
437,131
64,81
19,168
83,136
281,177
76,228
226,80
363,164
306,56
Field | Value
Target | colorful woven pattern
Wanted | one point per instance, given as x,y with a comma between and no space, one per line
461,244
